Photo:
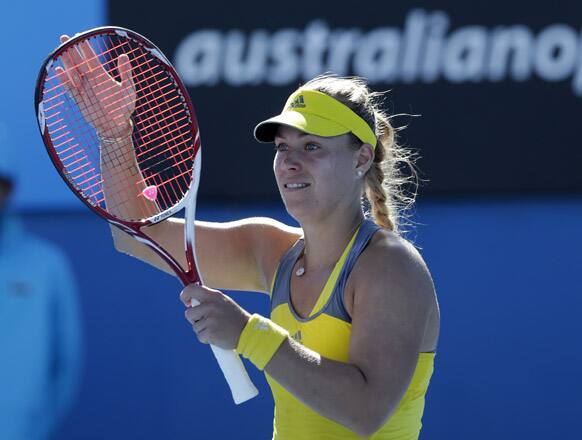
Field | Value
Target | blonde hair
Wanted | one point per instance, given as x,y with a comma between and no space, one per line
390,190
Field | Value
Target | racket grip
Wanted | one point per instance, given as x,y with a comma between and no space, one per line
241,386
239,382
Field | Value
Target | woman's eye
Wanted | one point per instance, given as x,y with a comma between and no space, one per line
281,147
311,146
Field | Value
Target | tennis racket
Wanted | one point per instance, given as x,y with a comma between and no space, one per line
121,130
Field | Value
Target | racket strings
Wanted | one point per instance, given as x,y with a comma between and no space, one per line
165,153
150,170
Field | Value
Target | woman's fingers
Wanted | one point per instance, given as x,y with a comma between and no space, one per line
72,84
66,80
201,331
203,336
72,78
95,68
73,63
124,67
194,314
105,103
194,294
199,325
126,75
74,59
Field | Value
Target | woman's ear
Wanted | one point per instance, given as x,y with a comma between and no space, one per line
365,157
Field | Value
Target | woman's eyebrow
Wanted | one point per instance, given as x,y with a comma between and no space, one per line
301,135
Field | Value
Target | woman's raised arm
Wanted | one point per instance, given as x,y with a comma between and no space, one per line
237,255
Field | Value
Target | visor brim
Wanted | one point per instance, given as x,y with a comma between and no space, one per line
266,131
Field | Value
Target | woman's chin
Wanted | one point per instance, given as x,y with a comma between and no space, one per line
299,210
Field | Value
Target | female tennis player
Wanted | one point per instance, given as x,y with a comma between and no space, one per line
350,345
349,348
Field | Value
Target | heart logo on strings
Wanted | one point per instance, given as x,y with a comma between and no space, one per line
150,193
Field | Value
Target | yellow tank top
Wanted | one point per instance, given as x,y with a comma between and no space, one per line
327,331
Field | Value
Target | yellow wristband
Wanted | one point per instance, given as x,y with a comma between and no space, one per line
260,339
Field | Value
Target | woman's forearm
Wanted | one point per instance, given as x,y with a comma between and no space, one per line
123,182
336,390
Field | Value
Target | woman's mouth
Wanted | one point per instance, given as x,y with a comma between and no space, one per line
296,185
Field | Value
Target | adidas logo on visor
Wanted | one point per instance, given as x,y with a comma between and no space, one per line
298,102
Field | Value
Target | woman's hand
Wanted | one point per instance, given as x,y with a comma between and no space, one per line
217,319
107,104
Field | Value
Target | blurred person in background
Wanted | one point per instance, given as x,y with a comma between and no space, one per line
39,323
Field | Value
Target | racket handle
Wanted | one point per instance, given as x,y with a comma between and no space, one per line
239,382
241,386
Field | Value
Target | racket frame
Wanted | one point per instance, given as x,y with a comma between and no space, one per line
230,363
133,228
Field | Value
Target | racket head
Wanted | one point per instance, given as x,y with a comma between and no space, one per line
164,134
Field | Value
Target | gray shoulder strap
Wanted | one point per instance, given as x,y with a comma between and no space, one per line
336,306
280,293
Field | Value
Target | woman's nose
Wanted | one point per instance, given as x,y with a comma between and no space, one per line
292,160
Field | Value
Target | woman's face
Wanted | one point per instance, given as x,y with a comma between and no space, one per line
316,175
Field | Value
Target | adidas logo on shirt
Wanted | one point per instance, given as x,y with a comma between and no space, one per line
297,336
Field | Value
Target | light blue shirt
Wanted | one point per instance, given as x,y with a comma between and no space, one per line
39,334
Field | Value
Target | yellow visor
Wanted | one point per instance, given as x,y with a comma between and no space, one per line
316,113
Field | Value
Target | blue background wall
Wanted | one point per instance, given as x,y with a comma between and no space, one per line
34,30
507,270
